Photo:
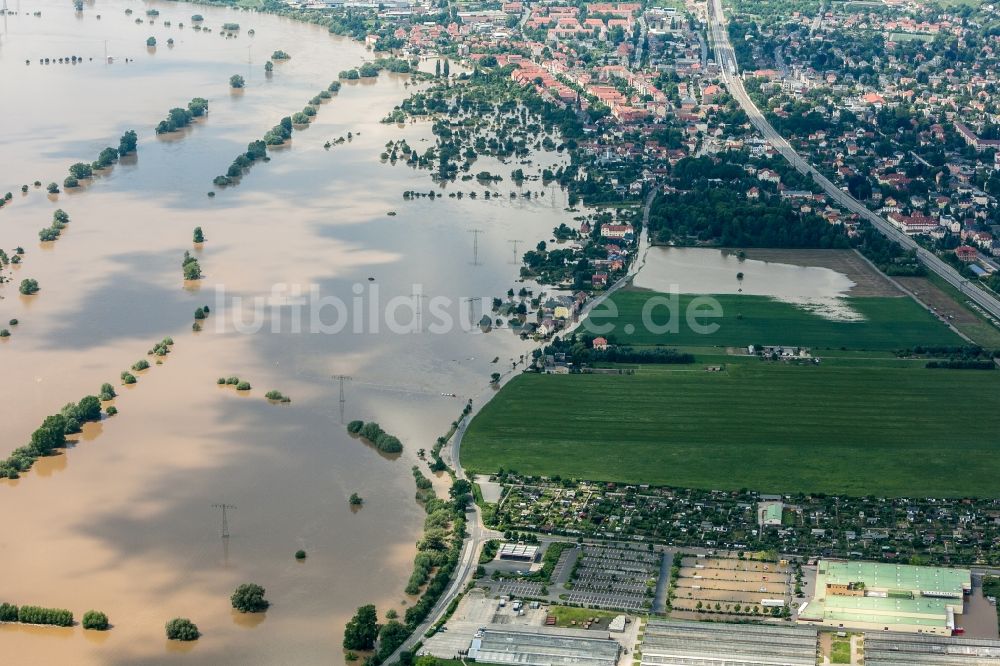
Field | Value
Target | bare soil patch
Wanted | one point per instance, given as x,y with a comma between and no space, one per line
941,303
868,281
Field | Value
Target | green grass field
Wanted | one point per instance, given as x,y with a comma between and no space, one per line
890,323
893,430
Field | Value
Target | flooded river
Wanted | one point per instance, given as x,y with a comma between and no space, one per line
123,521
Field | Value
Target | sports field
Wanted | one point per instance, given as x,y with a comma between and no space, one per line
889,323
892,430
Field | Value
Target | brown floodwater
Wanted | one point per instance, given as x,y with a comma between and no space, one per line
122,520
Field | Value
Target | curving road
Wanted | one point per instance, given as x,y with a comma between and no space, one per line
478,533
730,76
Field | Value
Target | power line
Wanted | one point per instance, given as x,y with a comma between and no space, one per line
472,301
343,398
514,243
225,517
475,246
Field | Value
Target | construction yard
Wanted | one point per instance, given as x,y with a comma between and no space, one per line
730,588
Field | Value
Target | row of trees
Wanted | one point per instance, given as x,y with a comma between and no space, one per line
178,118
373,432
51,435
257,150
38,615
59,221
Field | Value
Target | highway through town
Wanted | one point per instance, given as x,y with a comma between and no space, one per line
730,76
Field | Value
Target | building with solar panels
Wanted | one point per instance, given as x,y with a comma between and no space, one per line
678,643
888,649
887,597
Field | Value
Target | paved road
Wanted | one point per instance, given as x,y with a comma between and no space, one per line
730,75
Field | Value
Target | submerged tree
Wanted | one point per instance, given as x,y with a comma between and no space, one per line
249,598
182,629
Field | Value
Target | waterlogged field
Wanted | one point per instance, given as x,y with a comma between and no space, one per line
887,323
890,430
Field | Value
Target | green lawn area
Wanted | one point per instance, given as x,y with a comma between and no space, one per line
892,430
840,651
576,617
890,323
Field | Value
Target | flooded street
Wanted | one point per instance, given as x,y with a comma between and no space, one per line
711,271
122,521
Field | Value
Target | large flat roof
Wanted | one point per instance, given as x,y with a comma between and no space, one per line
889,649
903,588
532,648
679,643
904,577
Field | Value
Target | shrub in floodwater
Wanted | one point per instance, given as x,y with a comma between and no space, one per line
182,629
249,598
93,619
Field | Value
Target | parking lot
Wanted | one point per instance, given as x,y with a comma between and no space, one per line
614,577
519,588
725,588
476,610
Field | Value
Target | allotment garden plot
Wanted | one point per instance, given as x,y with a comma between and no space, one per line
727,588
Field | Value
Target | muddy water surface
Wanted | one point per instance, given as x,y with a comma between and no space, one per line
122,521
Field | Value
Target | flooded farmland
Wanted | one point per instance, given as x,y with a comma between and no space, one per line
122,520
711,271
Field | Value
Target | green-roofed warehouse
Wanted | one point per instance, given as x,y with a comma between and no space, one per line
887,597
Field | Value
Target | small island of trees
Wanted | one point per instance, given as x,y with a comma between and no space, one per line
198,236
277,396
182,629
127,144
373,432
190,267
362,629
96,620
29,286
59,221
240,384
151,41
236,81
249,598
280,55
355,500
